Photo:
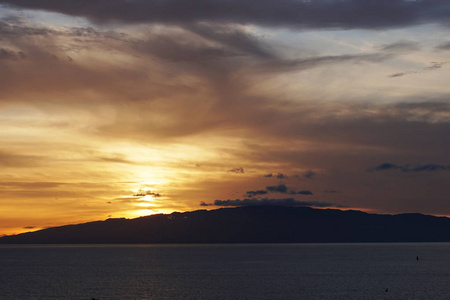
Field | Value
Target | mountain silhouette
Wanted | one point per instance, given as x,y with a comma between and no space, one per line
252,224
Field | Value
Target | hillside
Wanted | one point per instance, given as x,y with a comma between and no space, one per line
257,224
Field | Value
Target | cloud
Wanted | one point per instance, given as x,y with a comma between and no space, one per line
143,193
281,176
116,158
239,170
331,192
309,174
282,188
432,67
237,40
411,168
255,193
401,46
11,55
295,14
270,202
305,192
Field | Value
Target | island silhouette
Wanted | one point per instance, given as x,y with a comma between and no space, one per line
251,224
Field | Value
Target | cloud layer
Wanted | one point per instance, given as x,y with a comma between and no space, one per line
296,14
221,100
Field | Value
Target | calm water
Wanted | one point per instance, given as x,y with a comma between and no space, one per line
286,271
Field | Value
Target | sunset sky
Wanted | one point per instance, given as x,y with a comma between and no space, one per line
125,108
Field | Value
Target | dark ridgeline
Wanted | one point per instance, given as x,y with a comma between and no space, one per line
252,224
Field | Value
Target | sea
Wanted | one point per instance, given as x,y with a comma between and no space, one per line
226,271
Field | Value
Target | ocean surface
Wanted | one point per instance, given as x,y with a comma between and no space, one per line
249,271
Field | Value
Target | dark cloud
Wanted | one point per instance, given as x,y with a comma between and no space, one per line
281,176
283,189
11,55
143,193
309,174
29,227
411,168
235,39
331,192
239,170
400,74
272,202
305,192
296,14
277,175
255,193
433,66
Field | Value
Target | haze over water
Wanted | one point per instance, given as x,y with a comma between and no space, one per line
248,271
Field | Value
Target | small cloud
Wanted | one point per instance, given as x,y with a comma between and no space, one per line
436,65
281,176
410,168
255,193
433,66
268,175
331,192
205,204
385,166
306,193
29,227
239,170
309,174
116,158
428,167
399,74
403,46
142,193
282,188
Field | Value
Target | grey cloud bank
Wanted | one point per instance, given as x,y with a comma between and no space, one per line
348,14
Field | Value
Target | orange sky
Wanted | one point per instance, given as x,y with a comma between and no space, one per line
110,114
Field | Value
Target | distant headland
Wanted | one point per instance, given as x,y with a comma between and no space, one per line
252,224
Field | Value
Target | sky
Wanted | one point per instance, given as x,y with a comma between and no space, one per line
127,108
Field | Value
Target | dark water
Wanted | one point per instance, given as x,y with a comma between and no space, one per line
293,271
